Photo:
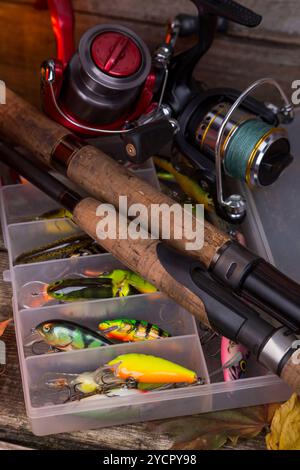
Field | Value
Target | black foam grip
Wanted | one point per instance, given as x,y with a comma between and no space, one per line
230,10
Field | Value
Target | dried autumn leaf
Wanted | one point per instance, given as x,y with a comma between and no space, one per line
285,428
213,430
4,325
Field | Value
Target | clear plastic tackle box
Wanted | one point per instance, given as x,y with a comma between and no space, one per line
24,202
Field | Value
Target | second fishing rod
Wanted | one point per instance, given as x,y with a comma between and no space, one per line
231,264
184,280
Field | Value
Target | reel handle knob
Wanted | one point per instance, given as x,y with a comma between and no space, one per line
235,207
229,10
189,25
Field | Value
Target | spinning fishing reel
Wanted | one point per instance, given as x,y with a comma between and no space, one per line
107,88
225,134
112,92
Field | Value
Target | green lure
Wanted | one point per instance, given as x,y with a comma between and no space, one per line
123,280
165,176
135,373
77,245
117,283
72,290
67,336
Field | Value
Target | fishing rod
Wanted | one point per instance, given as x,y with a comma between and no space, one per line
184,280
228,262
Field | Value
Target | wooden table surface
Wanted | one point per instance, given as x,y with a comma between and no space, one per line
15,431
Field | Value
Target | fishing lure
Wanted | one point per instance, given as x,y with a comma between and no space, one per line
67,336
117,283
123,280
60,213
143,368
85,384
229,350
123,329
77,245
129,371
188,185
72,290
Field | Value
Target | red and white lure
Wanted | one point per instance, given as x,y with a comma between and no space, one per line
235,369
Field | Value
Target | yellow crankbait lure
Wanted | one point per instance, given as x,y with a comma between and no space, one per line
139,372
128,329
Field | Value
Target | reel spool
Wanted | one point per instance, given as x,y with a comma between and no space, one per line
227,133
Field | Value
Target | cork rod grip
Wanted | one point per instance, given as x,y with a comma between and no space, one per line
94,171
25,126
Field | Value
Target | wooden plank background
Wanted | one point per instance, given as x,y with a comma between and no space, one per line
237,58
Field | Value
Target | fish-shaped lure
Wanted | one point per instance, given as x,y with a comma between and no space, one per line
122,280
68,336
230,350
77,245
124,329
72,290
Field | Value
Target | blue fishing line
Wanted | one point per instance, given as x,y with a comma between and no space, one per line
241,146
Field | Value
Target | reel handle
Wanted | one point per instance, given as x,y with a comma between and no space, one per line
189,25
229,10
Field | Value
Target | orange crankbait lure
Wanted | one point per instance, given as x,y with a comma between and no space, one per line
150,369
139,372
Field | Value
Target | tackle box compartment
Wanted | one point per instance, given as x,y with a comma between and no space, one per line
184,347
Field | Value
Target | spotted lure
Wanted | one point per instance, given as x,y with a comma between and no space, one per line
124,329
